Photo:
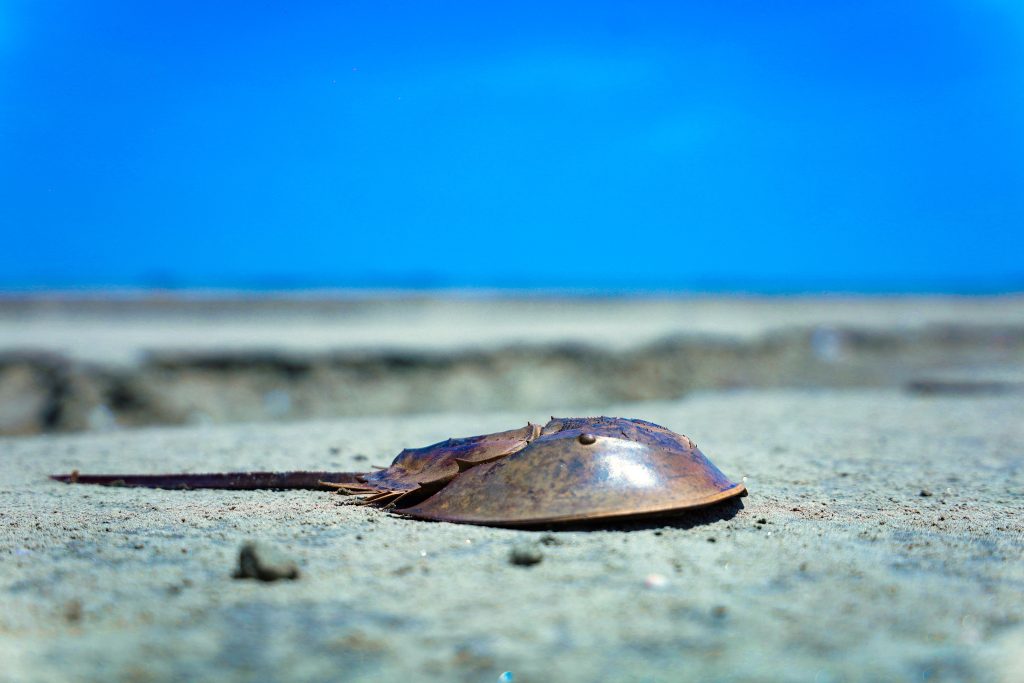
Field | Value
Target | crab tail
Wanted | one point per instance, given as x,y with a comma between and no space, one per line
238,481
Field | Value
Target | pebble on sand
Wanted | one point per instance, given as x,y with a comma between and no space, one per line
525,556
257,561
655,581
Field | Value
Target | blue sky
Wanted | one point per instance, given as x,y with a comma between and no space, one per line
709,145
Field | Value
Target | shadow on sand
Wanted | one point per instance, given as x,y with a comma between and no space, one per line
684,519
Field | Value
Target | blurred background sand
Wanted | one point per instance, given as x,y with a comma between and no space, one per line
85,363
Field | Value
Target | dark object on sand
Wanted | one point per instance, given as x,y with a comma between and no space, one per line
257,561
572,470
525,555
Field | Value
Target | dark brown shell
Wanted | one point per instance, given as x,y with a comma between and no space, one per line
572,470
575,469
441,462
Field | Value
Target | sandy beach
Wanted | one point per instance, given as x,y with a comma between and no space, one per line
880,440
72,364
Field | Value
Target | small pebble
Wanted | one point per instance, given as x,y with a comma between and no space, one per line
925,493
525,556
655,581
73,611
257,561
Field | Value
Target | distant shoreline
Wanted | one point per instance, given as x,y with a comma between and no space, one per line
74,363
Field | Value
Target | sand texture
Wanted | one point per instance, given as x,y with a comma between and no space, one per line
883,539
69,365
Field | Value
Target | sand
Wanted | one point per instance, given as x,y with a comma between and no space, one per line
122,333
91,364
882,540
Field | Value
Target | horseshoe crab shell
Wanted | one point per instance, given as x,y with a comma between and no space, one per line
580,469
571,470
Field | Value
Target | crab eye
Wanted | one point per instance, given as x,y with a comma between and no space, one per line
587,439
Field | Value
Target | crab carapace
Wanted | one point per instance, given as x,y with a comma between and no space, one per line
570,470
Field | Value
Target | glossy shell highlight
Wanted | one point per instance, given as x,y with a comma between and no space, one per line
580,469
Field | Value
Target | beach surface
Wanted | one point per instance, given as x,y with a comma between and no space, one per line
94,364
883,539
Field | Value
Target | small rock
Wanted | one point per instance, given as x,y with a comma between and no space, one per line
525,556
655,581
549,539
257,561
925,493
73,611
762,521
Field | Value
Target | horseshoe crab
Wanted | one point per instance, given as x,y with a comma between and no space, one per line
571,470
